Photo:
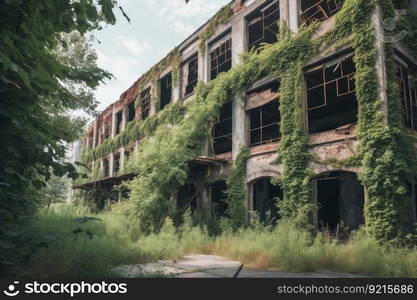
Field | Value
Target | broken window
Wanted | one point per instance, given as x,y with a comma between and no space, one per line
187,197
222,131
218,197
145,102
221,59
116,163
131,111
331,99
107,131
263,25
106,168
407,83
319,10
192,77
265,199
340,200
264,124
166,90
119,122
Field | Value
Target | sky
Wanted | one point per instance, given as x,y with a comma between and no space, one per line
156,27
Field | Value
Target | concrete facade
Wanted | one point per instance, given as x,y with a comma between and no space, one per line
335,143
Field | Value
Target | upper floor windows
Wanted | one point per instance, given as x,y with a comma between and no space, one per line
221,59
131,111
407,83
166,90
331,99
119,119
145,102
191,70
263,25
318,10
222,131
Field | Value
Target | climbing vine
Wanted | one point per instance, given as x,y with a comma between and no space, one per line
222,17
235,192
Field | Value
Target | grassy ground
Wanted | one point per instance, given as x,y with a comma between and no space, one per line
63,243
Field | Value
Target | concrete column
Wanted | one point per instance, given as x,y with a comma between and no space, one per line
284,12
113,123
239,38
240,134
377,19
203,69
95,133
111,161
176,86
294,10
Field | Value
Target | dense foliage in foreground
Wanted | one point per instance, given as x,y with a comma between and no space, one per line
65,242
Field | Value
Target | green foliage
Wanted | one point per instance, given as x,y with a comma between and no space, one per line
134,131
80,246
236,192
62,242
37,88
388,161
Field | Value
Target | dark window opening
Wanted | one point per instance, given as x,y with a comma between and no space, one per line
221,59
166,90
192,77
218,198
407,83
116,164
119,122
331,99
319,10
131,111
265,199
340,201
90,140
107,131
265,124
187,197
263,25
145,103
222,131
106,167
126,156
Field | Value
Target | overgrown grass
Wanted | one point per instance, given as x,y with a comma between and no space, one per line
101,245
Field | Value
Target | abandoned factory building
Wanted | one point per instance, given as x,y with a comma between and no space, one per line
330,112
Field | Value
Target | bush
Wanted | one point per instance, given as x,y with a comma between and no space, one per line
65,242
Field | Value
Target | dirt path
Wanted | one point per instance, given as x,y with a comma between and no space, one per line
212,266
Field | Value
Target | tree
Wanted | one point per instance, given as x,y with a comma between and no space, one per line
37,89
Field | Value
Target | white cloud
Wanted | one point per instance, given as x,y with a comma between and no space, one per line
184,28
133,46
186,16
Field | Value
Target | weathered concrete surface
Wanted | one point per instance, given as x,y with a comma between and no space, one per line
212,266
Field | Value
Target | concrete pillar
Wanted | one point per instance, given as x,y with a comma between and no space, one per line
240,128
95,137
284,12
203,69
239,38
113,122
176,86
294,10
377,19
